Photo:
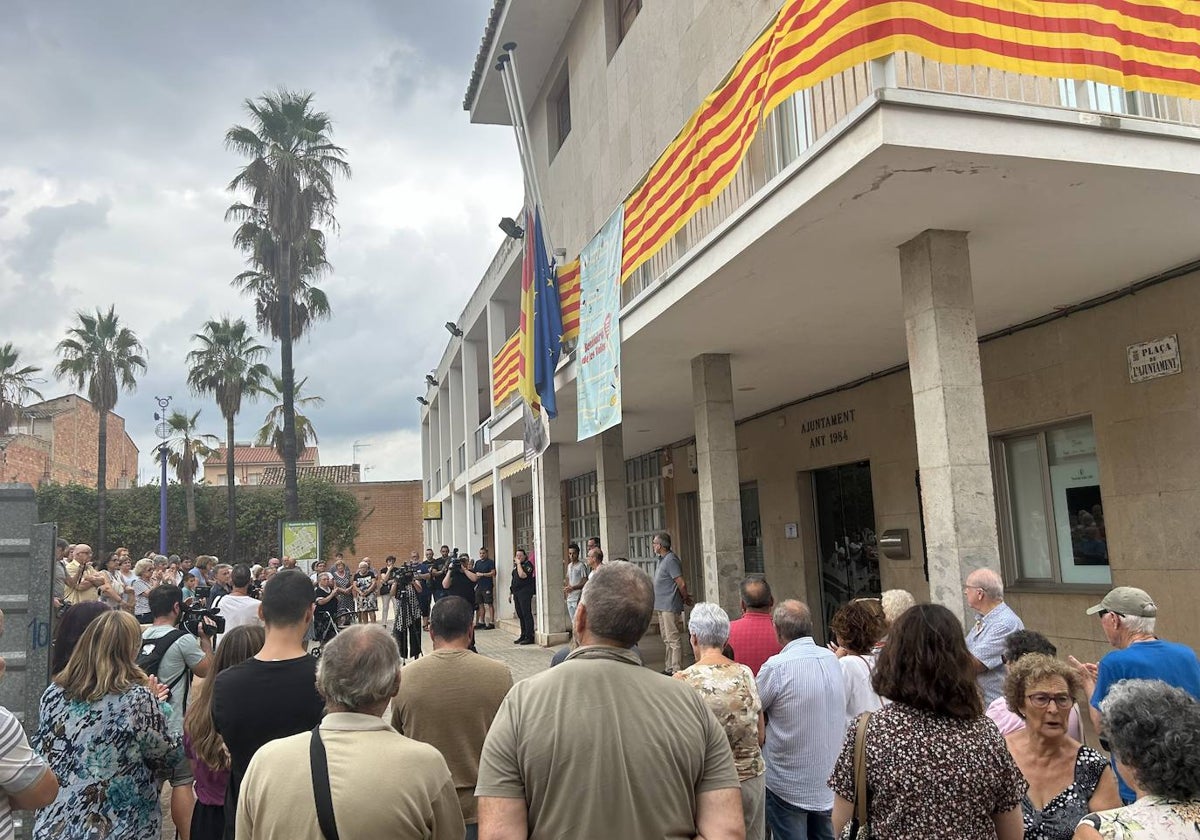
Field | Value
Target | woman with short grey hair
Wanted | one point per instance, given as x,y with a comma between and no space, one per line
1153,730
728,688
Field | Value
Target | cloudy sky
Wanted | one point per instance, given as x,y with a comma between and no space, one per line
112,191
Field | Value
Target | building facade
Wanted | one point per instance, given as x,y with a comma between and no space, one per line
56,441
251,463
942,318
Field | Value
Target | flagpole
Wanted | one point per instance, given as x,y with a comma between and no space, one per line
522,151
510,52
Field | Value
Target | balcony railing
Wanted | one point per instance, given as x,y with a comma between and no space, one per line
482,444
809,115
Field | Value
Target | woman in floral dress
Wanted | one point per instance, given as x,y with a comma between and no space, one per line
343,581
730,691
1154,731
103,731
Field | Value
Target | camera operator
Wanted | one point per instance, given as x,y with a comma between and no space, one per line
459,579
185,656
437,572
409,588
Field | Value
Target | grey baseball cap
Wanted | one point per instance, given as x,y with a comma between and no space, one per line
1127,600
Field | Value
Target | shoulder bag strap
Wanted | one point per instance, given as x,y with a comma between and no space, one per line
860,819
322,795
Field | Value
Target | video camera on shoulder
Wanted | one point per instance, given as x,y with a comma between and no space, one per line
197,620
405,574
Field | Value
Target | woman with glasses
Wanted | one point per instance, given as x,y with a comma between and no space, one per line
1066,779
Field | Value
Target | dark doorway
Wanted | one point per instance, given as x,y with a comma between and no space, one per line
846,536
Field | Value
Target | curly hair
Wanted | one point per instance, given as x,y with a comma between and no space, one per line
1154,729
926,664
858,627
1033,668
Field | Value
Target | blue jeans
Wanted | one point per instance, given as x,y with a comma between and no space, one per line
787,822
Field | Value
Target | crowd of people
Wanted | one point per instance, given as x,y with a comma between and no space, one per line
907,724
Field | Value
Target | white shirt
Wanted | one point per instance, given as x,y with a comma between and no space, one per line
860,696
238,610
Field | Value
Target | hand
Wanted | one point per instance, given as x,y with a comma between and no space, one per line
159,690
688,601
1090,671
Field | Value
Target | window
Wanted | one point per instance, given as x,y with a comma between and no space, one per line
644,504
752,539
583,508
522,508
1051,512
627,10
559,118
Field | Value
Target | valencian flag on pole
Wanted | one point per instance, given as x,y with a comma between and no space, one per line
541,328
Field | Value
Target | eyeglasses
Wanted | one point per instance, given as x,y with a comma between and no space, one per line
1103,613
1042,700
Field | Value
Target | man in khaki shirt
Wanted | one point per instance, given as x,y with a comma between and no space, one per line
82,582
449,698
603,748
358,675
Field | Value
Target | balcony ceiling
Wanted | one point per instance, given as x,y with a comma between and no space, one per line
804,290
538,28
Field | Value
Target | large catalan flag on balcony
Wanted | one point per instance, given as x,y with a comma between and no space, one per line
1144,45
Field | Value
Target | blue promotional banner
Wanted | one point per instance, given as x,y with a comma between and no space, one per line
598,379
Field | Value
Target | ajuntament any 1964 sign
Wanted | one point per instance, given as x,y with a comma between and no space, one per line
1152,359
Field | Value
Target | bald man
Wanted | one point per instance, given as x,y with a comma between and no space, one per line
996,621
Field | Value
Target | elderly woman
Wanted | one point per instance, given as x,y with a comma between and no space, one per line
113,590
1017,645
856,627
935,766
1066,780
730,691
894,602
103,731
343,584
365,585
142,584
1154,732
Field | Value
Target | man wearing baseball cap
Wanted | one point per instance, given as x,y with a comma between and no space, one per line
1127,615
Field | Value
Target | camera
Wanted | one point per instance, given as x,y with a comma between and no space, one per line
404,575
193,618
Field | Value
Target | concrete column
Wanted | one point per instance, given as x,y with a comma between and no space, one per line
470,396
552,621
445,436
610,493
455,381
502,545
948,409
435,446
720,493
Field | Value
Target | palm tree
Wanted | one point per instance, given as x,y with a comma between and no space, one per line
104,357
309,303
271,433
289,182
16,386
228,364
185,449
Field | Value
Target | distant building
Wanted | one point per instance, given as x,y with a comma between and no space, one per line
334,474
56,441
250,462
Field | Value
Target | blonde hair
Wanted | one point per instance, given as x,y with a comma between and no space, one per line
238,645
103,660
144,565
894,602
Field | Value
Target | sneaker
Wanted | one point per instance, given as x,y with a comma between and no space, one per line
525,641
489,627
518,641
668,673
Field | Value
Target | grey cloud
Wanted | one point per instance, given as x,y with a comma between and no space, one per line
32,256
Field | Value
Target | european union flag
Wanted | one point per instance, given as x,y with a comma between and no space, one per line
547,318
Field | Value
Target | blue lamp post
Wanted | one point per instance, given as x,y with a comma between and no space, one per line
163,430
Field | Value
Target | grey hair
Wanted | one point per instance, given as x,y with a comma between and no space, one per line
358,668
142,566
1137,624
1154,729
990,582
894,602
220,567
664,539
792,620
709,624
619,601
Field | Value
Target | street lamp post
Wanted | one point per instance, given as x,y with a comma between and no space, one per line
163,430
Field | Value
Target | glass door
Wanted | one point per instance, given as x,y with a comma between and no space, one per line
849,551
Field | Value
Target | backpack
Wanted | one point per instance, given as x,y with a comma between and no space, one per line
152,651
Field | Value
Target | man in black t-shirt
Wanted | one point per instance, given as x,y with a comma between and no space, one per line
274,694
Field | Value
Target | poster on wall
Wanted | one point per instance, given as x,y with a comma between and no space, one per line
598,380
1078,513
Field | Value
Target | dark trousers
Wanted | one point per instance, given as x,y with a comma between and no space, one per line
409,640
208,822
523,601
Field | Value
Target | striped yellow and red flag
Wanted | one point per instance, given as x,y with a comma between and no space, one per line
1146,45
568,293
